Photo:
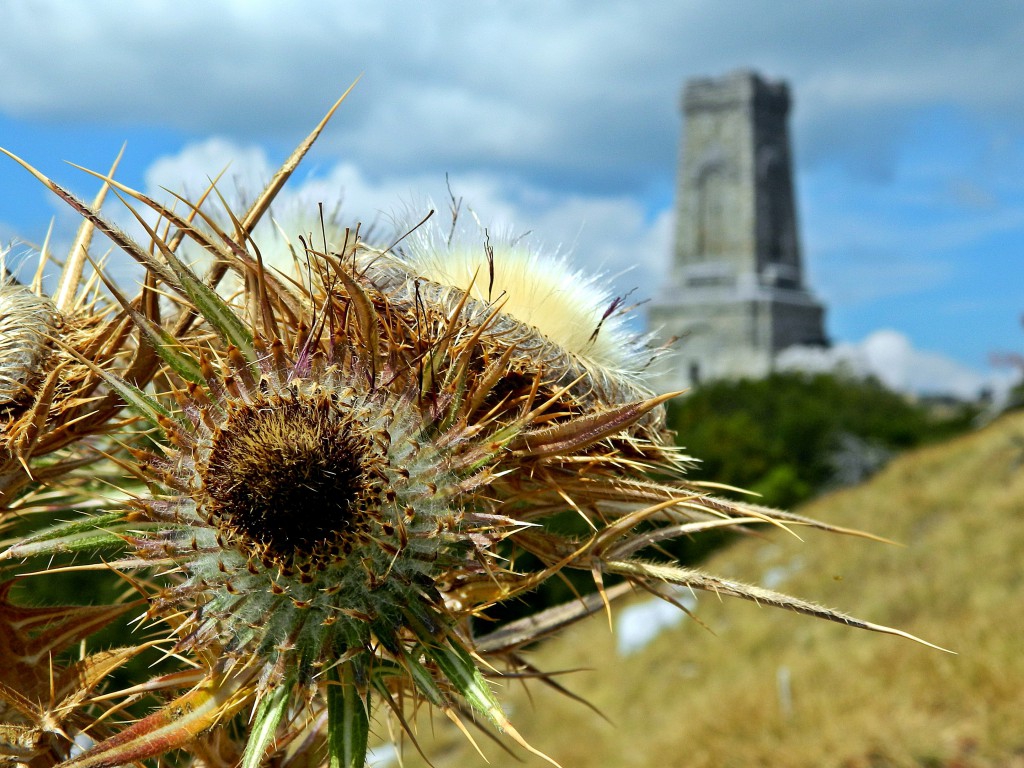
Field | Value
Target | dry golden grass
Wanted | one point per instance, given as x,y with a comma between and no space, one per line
693,698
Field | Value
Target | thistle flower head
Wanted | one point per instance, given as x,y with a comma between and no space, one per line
308,510
538,287
64,405
579,383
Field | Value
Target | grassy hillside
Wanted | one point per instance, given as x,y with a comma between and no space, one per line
699,698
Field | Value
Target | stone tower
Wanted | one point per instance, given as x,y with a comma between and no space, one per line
735,296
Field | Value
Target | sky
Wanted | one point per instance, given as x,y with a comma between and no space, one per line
562,119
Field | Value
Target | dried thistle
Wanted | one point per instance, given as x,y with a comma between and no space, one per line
515,294
45,703
346,471
54,403
27,320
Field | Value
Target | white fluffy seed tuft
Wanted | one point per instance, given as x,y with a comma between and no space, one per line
574,310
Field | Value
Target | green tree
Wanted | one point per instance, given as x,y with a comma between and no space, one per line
786,436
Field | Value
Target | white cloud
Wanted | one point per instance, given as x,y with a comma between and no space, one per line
607,234
890,357
190,171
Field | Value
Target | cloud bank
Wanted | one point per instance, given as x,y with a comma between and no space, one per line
890,357
574,91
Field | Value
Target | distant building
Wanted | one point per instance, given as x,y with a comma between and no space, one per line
735,295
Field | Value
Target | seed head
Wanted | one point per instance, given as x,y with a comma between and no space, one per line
578,383
26,323
539,288
52,400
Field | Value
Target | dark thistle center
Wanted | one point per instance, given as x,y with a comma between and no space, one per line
289,477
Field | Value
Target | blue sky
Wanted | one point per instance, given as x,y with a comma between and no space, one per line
563,119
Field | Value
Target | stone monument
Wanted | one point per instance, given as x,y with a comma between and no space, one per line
735,296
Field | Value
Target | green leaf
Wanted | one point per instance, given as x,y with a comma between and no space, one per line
268,716
217,313
462,672
348,724
89,533
137,400
422,679
210,305
180,361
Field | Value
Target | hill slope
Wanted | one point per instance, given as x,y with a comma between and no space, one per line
770,688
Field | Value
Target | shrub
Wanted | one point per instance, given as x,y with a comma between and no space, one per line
791,435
